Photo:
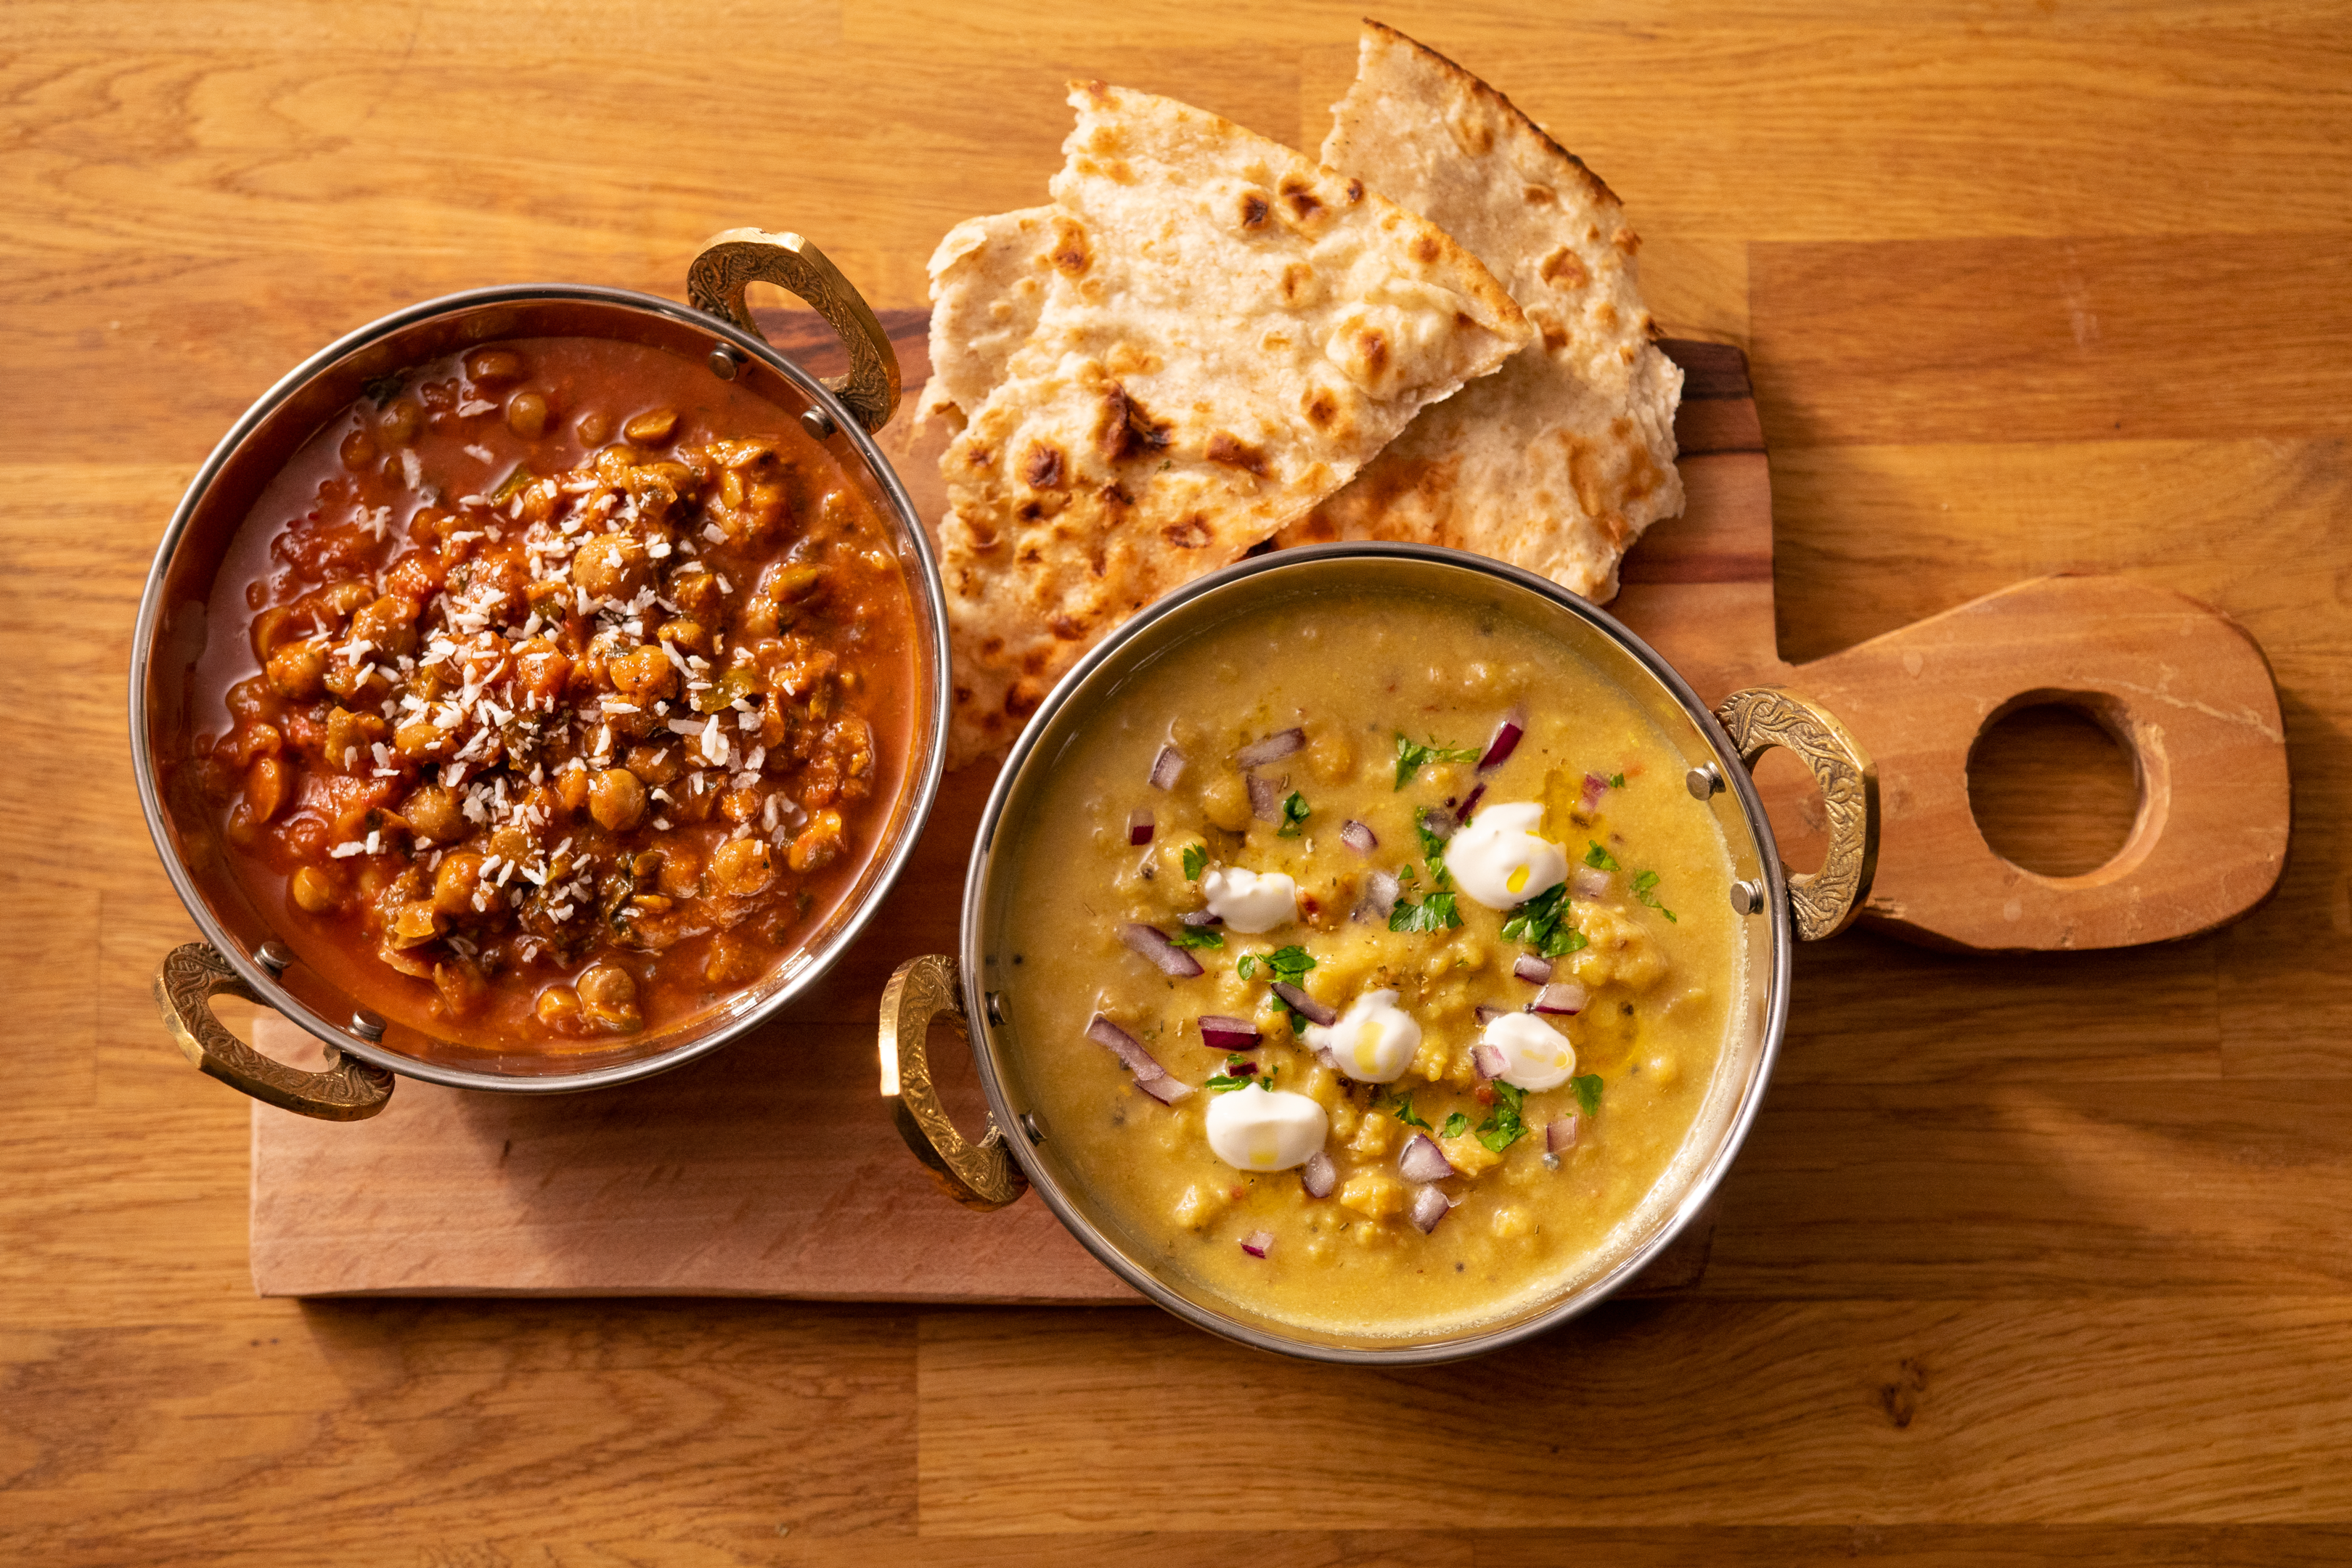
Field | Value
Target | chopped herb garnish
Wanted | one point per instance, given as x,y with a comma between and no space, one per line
1455,1126
1289,964
1541,922
1411,759
1600,858
1225,1083
1436,913
1588,1093
1616,781
1503,1126
512,483
1198,936
1432,849
1196,861
1404,1113
1644,891
1294,812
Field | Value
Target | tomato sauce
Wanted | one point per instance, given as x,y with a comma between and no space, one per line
574,691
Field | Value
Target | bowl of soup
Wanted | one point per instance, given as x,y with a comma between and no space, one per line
1375,953
539,686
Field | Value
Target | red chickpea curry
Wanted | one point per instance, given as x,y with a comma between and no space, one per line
575,694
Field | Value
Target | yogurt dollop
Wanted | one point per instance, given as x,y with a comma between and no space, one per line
1374,1041
1257,1129
1249,902
1500,860
1535,1054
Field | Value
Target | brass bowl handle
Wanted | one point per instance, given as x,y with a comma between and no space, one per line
739,257
1762,717
348,1090
980,1175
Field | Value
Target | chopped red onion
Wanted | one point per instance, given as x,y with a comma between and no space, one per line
1499,748
1153,945
1198,918
1561,996
1533,970
1489,1060
1594,786
1429,1207
1257,1242
1330,1058
1167,768
1265,799
1438,823
1318,1175
1487,1013
1560,1134
1469,806
1220,1033
1300,1002
1358,837
1589,882
1272,749
1423,1161
1149,1075
1139,826
1380,893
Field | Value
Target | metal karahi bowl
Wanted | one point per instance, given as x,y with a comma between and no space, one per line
1718,747
240,955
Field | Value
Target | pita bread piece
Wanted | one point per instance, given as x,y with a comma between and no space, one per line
1227,334
1559,461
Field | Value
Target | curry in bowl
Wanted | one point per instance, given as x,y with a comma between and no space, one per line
1366,963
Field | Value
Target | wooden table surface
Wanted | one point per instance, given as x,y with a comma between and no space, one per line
2026,1259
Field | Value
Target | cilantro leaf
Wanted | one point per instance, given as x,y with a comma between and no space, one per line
1432,848
1225,1083
1404,1113
1600,858
1436,913
1542,923
1588,1093
1196,861
1198,936
1616,781
1502,1126
1411,759
1644,891
1289,963
1456,1125
1294,812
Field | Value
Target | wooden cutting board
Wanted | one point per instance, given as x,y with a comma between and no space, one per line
773,1169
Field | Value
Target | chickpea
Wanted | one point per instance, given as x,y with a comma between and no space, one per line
733,961
653,764
270,628
745,868
527,415
608,998
574,787
819,845
740,806
265,787
494,365
400,421
297,669
558,1011
1224,800
645,676
697,593
313,891
421,740
432,813
461,983
594,428
1331,757
685,634
390,623
454,883
616,799
681,873
611,566
516,844
359,450
652,427
352,738
340,599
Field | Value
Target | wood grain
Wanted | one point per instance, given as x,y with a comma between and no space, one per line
2080,1217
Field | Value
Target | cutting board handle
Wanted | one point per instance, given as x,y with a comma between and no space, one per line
2185,690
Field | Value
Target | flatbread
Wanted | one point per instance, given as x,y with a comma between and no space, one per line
988,284
1225,335
1557,462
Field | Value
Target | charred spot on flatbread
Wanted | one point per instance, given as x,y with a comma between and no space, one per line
1041,468
1232,451
1127,430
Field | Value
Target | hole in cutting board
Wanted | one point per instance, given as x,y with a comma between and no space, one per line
796,330
1793,801
2052,789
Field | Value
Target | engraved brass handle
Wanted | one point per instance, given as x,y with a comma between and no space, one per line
348,1090
1824,901
740,257
980,1175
